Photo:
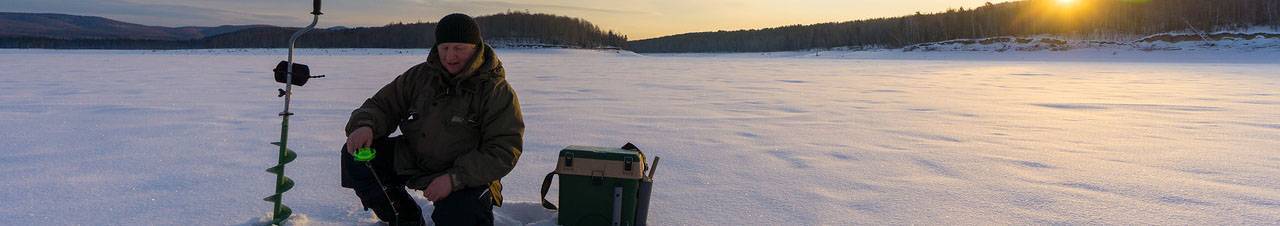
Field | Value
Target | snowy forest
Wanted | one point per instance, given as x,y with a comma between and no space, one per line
521,28
1113,20
518,27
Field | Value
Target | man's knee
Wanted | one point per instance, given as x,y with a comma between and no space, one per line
359,174
355,174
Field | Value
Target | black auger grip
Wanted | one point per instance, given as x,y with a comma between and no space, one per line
316,5
301,73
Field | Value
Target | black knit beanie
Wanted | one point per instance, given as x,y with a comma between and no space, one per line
459,28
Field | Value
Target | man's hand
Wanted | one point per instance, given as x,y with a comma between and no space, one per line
361,137
439,188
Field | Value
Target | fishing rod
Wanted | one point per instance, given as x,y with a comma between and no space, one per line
365,155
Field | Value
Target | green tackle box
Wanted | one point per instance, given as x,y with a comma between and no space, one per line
598,185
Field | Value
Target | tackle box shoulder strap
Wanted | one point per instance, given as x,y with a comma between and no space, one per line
546,185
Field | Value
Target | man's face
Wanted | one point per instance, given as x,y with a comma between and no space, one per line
455,55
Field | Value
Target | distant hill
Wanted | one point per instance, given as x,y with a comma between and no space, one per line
1114,20
518,29
63,26
504,29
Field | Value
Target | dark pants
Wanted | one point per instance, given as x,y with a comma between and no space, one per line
470,206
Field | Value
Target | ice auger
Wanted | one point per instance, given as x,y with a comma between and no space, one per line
290,74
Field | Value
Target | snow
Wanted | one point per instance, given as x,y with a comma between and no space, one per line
797,138
1244,40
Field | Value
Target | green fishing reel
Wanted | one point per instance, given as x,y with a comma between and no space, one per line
365,154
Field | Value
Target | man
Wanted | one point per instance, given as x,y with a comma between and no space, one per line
461,131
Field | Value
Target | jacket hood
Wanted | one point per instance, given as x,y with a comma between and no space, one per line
484,64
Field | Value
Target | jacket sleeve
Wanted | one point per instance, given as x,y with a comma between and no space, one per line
502,138
383,111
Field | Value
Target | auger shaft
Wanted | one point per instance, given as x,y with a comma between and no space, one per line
280,212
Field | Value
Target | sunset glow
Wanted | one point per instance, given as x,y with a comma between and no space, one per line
636,19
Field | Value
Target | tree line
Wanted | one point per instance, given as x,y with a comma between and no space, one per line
1112,20
523,27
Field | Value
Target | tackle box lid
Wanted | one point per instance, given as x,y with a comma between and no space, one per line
601,153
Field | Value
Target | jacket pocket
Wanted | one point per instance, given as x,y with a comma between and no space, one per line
412,125
413,122
462,131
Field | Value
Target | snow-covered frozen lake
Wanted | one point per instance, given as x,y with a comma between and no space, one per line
181,137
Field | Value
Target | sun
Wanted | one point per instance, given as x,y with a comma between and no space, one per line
1066,2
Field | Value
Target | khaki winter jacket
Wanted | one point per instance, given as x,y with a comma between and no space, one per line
468,125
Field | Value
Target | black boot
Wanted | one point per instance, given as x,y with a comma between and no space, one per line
469,206
405,212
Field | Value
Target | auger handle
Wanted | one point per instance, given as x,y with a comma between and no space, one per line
316,5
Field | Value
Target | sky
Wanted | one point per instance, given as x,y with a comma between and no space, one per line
638,19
